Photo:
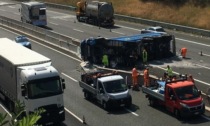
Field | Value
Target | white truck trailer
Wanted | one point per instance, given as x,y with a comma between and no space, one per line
34,13
29,77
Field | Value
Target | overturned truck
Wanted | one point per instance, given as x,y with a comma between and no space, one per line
127,50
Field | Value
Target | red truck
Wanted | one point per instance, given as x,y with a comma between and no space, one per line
180,97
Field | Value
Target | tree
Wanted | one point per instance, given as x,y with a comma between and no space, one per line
18,117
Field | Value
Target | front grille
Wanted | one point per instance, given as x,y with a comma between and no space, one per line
196,108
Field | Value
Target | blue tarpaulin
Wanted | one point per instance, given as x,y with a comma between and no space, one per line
135,38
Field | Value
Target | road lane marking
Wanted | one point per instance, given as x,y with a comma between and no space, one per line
193,42
69,77
131,112
16,13
128,27
11,7
204,54
74,115
205,117
78,30
53,23
118,32
5,110
87,25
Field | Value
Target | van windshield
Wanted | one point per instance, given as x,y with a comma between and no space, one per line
115,86
44,87
187,93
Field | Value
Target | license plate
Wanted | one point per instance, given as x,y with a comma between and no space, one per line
196,113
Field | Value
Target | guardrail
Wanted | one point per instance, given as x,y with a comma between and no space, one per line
48,37
182,28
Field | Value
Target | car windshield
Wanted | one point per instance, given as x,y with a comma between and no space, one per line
22,40
115,86
187,93
44,87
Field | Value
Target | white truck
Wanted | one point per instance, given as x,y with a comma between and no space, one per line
34,13
108,89
29,77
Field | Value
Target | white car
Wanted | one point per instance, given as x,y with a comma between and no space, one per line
156,29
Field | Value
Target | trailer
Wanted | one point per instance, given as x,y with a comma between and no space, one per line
180,97
127,50
33,13
95,12
28,77
108,89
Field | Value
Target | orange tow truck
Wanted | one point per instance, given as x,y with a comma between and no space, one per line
180,97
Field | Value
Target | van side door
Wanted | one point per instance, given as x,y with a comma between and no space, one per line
100,92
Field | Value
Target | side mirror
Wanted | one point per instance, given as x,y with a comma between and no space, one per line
172,97
101,91
64,85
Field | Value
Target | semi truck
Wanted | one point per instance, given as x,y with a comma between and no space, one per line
121,50
108,89
95,12
33,13
29,77
180,96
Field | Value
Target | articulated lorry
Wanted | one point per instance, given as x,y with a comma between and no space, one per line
108,89
180,96
34,13
29,77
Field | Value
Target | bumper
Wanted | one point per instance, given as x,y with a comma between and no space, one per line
52,116
120,102
194,111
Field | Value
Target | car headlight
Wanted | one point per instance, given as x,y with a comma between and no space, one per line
183,105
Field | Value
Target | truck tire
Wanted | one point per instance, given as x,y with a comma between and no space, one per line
106,105
152,102
87,95
177,113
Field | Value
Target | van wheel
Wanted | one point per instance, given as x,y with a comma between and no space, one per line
151,102
177,113
106,105
87,95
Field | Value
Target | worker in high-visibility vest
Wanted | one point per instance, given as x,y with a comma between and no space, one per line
183,52
144,56
169,71
135,74
105,60
146,77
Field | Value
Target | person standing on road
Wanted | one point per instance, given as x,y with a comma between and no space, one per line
169,71
146,77
105,60
144,56
135,74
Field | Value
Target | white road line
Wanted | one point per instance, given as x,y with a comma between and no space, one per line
16,13
205,117
69,77
178,74
128,27
204,54
118,32
202,66
193,42
6,110
74,115
87,25
11,7
131,112
78,30
53,23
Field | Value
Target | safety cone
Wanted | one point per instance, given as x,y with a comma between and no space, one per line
83,120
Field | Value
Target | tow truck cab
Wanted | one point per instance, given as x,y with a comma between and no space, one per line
183,98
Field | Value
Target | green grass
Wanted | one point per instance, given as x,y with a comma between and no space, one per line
187,14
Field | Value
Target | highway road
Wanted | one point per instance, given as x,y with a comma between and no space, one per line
140,113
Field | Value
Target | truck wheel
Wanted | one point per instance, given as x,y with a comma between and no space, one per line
86,95
151,102
177,113
106,105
